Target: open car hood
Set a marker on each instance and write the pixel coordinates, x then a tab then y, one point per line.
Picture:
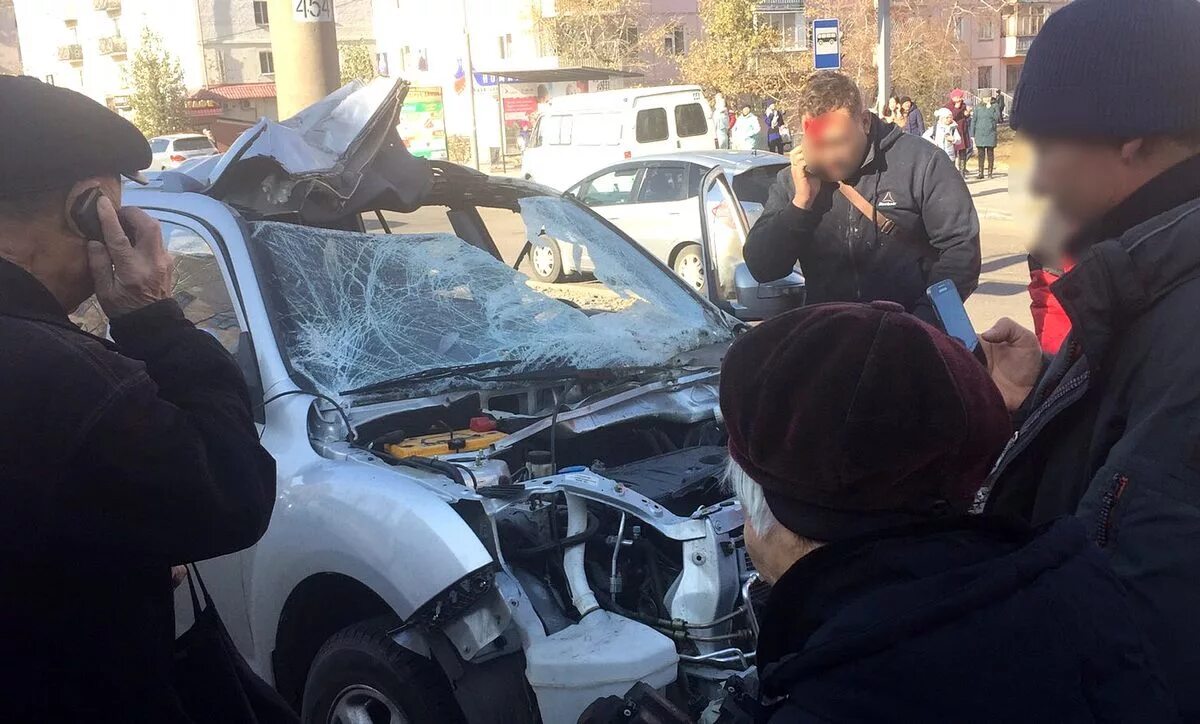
339	157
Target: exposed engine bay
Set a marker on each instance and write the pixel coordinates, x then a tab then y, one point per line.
619	554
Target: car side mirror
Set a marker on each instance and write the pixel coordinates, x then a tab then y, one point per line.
758	301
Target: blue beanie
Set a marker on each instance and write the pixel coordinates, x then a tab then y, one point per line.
1113	69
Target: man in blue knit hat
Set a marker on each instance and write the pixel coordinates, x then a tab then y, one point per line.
1110	98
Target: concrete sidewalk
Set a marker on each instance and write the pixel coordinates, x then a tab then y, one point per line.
1005	236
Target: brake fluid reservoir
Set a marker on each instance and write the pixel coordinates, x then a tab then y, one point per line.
488	472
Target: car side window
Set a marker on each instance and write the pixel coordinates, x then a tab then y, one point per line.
610	189
652	125
663	184
690	120
199	289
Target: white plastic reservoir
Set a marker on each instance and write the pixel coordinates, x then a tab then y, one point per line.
602	655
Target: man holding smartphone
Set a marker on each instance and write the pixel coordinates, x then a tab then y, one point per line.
118	460
868	211
1111	426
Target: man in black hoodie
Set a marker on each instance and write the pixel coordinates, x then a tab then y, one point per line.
889	602
868	211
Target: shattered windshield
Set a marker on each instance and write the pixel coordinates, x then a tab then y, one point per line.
359	309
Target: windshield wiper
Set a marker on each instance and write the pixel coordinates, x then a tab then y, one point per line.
567	372
433	373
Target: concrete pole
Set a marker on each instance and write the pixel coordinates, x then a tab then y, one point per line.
884	51
304	46
470	71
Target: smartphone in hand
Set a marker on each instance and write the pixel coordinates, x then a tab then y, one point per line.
87	217
948	305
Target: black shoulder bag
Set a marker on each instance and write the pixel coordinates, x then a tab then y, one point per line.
213	681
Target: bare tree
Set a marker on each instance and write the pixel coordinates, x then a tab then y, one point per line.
739	56
620	34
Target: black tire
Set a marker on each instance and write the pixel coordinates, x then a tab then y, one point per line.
363	655
549	259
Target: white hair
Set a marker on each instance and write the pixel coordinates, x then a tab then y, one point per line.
750	494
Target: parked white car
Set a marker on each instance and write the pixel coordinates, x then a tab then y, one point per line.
577	134
172	150
498	500
654	200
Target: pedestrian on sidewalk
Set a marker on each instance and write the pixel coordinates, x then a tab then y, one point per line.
1000	103
944	134
773	119
891	111
889	603
1111	424
985	122
721	121
869	212
747	131
913	122
962	118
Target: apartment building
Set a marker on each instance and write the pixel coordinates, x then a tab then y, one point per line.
999	40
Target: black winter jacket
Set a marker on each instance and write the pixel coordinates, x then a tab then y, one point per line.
844	255
116	462
966	620
1114	429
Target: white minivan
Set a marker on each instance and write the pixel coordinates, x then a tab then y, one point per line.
582	133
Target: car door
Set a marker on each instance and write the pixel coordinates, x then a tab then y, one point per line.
661	218
611	194
724	231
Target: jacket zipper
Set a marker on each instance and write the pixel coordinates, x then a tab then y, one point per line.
1104	522
1009	448
850	250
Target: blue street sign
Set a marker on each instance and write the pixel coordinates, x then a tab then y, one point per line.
827	46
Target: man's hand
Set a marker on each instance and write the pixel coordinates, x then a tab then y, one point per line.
807	185
1014	360
128	276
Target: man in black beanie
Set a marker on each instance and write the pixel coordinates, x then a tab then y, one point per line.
118	459
1110	97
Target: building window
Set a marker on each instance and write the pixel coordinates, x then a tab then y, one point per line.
674	43
987	29
266	62
505	46
260	13
1030	20
985	76
790	27
629	37
960	28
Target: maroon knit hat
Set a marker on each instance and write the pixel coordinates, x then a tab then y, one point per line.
857	417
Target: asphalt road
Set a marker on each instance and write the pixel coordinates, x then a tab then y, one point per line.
1006	230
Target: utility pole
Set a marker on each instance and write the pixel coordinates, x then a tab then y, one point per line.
304	51
883	60
470	70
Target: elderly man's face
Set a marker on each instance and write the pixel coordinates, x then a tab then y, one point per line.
775	551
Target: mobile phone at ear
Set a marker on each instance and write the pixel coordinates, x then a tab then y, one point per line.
86	216
948	305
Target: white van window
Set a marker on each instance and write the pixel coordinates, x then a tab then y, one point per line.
564	135
690	120
652	125
548	130
591	128
611	189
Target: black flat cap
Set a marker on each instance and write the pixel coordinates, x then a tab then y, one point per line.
52	137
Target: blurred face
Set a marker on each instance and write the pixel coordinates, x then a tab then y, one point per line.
835	143
906	106
1080	179
745	110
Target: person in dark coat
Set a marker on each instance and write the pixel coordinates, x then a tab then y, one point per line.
118	459
773	122
919	226
985	124
889	602
1111	424
914	122
962	116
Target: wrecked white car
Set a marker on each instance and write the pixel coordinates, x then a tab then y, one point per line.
498	500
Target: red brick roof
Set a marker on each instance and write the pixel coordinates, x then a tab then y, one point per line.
236	91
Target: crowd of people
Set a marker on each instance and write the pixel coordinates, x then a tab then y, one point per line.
947	539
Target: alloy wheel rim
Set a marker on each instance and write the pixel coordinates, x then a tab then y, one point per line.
362	704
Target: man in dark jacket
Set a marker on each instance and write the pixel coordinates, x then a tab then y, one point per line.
889	603
1111	427
118	459
869	211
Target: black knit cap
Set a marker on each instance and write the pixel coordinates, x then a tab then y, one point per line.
51	137
1113	69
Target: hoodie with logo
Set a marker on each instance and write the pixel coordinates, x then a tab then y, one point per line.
846	257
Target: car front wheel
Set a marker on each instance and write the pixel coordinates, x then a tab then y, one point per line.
545	260
689	265
362	676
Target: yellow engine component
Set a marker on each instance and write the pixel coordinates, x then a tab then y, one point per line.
428	446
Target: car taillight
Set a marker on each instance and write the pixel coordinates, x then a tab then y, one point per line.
178	158
628	155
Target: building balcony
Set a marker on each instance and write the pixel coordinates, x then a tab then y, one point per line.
113	45
112	7
1016	46
71	53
